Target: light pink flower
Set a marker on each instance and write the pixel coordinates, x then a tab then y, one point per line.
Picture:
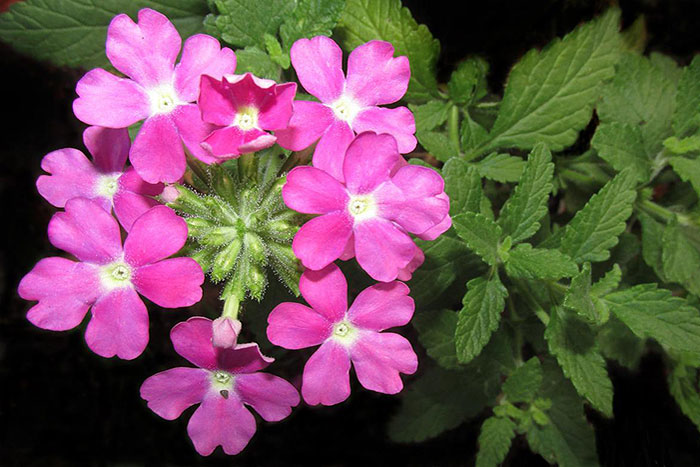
346	335
348	105
108	278
104	179
225	380
225	332
370	215
159	91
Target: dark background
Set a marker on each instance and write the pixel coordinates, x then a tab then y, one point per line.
61	404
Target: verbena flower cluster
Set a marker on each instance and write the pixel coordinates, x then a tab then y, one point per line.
366	199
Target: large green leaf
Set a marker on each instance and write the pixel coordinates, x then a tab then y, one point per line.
523	383
681	255
621	146
687	115
436	332
242	23
525	262
494	441
480	233
311	18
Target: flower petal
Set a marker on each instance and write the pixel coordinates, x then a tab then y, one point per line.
444	225
308	123
145	51
319	66
193	130
313	191
86	231
119	325
72	176
244	358
378	359
99	90
368	162
171	283
230	141
170	392
406	273
155	235
295	326
221	422
192	340
322	240
109	147
202	55
374	76
326	378
271	396
157	153
382	249
275	112
326	291
398	122
134	198
330	150
382	306
215	101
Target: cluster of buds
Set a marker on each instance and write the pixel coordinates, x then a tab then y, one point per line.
239	213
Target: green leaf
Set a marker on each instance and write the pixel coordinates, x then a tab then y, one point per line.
471	134
654	313
387	20
242	23
618	343
686	118
621	146
463	186
525	262
431	115
608	283
523	383
310	18
681	255
684	145
253	60
468	82
520	215
436	332
479	316
274	49
550	94
73	32
635	36
594	229
652	247
437	144
480	234
501	167
573	344
683	384
494	441
578	295
688	170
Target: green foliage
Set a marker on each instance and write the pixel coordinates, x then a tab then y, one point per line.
436	332
501	167
310	18
683	384
494	441
480	233
525	262
621	145
463	186
685	118
523	383
241	23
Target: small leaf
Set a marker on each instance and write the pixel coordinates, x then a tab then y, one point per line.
682	383
525	262
468	82
494	441
431	115
608	283
578	295
480	234
523	383
683	145
463	186
621	146
437	144
502	168
618	343
254	60
471	134
688	170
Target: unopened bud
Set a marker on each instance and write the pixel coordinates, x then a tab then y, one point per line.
225	332
225	260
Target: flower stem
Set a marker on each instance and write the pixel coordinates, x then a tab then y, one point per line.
662	213
453	125
231	307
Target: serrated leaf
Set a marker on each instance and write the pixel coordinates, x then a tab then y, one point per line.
525	262
480	234
274	50
578	295
431	115
681	255
618	343
468	82
549	95
471	134
310	18
502	168
523	383
436	332
652	247
685	118
521	213
242	23
688	170
635	37
387	20
654	313
683	385
683	145
479	316
594	229
494	441
608	283
256	61
573	344
73	32
438	144
621	146
463	186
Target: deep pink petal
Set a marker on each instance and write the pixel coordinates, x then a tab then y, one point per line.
378	359
221	422
397	122
434	232
326	375
157	153
368	162
131	182
256	140
193	131
244	358
86	231
119	325
349	251
192	340
134	198
382	306
326	291
319	66
231	141
406	273
72	176
201	55
99	90
249	90
322	240
145	51
170	392
64	289
271	396
171	283
309	122
155	235
109	147
374	76
382	249
215	101
330	150
276	111
295	326
313	191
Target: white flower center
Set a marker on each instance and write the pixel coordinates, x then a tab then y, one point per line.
115	275
222	382
107	185
344	333
222	377
345	108
163	99
246	118
362	207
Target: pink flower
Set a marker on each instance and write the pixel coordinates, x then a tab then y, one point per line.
369	215
225	380
159	91
235	111
104	180
348	105
108	278
346	335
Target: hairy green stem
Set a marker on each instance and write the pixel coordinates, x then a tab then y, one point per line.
231	307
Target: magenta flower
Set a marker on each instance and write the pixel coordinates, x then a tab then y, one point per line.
225	380
346	335
159	91
103	180
348	105
371	213
108	278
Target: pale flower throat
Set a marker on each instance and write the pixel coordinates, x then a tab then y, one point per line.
163	99
115	275
362	207
345	109
246	118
